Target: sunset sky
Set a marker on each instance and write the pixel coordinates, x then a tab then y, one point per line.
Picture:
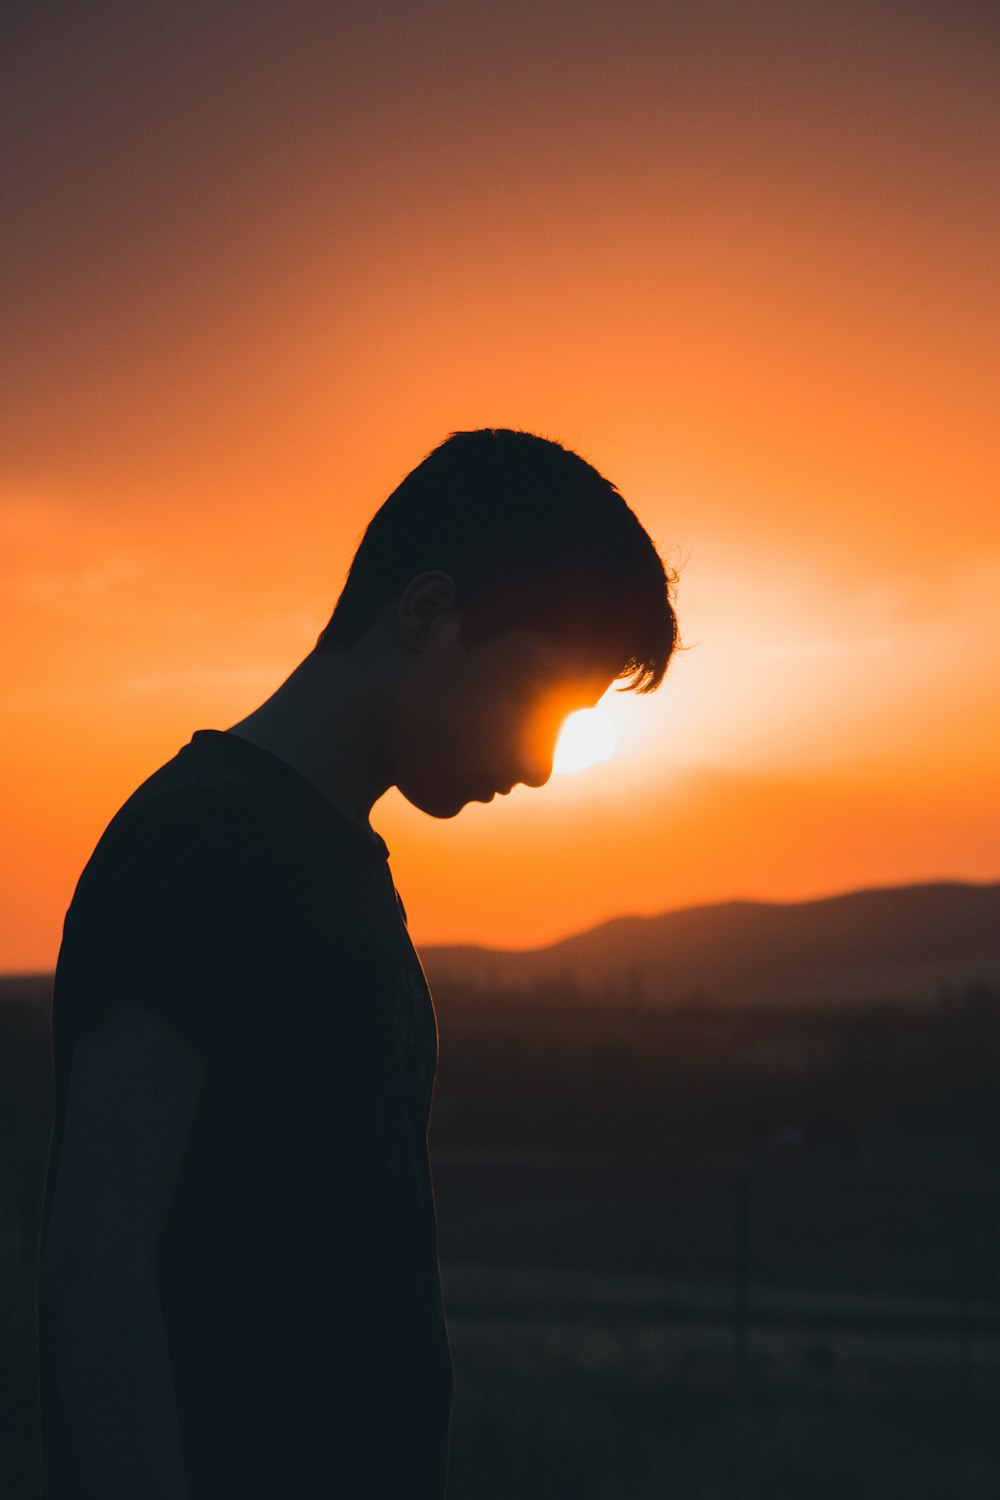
258	258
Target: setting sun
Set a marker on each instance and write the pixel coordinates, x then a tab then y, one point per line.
586	737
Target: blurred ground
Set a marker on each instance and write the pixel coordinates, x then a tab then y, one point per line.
708	1257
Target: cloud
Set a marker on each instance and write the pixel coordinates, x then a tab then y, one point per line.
63	560
74	592
145	685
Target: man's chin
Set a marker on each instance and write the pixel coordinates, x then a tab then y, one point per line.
437	807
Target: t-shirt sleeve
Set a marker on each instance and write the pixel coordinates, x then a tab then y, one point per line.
182	915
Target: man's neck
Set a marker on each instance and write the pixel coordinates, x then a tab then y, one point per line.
327	723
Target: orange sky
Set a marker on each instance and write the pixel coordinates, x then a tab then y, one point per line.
259	259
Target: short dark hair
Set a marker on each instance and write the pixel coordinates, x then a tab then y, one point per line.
533	537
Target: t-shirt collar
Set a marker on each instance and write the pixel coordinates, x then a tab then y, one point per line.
235	743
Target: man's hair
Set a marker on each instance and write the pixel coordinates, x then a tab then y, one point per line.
533	537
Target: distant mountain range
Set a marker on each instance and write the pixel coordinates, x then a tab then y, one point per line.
911	942
902	943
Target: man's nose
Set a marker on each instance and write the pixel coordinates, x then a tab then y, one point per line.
536	750
535	771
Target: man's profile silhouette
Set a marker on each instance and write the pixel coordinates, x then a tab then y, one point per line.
239	1284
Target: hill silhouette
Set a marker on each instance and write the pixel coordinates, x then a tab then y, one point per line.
910	943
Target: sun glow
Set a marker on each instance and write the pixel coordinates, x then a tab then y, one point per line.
586	737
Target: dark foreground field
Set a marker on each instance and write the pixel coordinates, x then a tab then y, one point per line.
696	1254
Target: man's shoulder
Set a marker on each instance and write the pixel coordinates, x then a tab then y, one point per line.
182	903
171	829
208	827
165	811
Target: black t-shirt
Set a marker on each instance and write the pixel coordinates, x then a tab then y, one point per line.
298	1271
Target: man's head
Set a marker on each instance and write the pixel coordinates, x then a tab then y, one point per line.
522	585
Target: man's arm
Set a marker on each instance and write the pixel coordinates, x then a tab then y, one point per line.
133	1093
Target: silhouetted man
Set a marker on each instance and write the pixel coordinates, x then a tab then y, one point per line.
240	1289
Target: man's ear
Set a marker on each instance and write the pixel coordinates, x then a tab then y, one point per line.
424	607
